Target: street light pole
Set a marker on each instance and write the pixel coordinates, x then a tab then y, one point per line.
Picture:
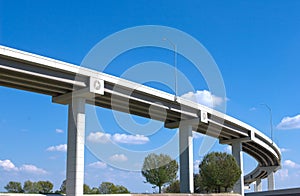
175	64
271	119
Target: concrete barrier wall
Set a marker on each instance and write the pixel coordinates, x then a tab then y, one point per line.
281	192
23	194
175	194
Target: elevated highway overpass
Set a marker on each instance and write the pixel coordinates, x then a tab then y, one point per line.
73	85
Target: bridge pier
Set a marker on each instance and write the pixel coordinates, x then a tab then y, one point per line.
238	155
75	149
186	159
258	185
271	181
22	70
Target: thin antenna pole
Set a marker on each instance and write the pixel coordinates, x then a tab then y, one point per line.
271	119
175	65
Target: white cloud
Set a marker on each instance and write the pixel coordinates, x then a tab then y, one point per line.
196	165
252	109
130	139
290	122
53	157
98	165
99	137
32	169
291	164
7	165
118	158
205	97
59	131
59	148
283	174
228	149
284	150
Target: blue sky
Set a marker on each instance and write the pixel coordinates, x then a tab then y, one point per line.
255	44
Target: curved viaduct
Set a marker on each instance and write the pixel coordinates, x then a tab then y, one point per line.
34	73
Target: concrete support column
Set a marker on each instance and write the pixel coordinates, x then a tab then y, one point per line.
258	185
75	150
238	155
186	159
271	181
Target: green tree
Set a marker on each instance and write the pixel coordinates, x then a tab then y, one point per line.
86	189
110	188
94	190
219	170
44	187
14	187
63	187
31	187
174	187
121	189
159	170
199	186
28	187
106	188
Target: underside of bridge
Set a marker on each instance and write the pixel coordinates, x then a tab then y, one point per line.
76	86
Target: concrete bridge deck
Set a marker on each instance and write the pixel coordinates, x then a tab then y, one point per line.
76	86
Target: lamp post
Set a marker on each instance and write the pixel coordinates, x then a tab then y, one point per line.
271	119
175	64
